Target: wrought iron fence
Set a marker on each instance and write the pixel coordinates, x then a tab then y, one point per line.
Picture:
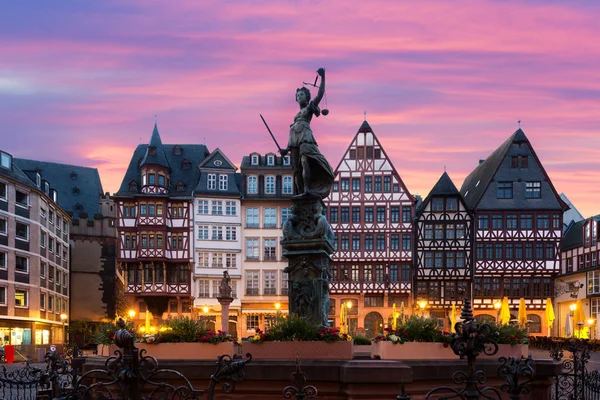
575	381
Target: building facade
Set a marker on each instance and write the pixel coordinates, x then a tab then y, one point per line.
371	212
266	192
217	237
518	230
443	250
155	227
34	258
579	279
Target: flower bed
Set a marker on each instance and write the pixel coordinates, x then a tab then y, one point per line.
188	351
387	350
304	350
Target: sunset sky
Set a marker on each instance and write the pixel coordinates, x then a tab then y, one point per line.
443	83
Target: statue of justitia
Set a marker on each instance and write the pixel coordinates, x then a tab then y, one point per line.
312	172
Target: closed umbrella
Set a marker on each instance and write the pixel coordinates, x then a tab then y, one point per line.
522	317
343	327
578	317
549	315
504	312
394	316
568	331
452	318
401	311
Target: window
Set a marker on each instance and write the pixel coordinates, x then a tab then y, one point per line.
254	159
378	184
270	185
524	161
22	264
230	208
428	231
203	260
203	288
217	233
252	322
451	204
42	301
51	217
369	242
286	160
483	222
437	204
526	221
252	217
202	232
285	214
252	183
270	250
406	242
151	179
222	182
405	272
336	186
356	184
270	282
333	215
22	231
345	215
543	221
380	214
505	190
230	260
368	214
511	222
533	190
356	215
395	242
345	184
252	283
5	160
161	180
368	184
373	301
395	214
217	207
252	246
270	160
217	260
43	269
4	229
22	199
212	182
406	214
387	184
344	242
270	217
3	260
287	185
497	221
21	298
230	233
284	283
450	231
380	242
593	279
438	232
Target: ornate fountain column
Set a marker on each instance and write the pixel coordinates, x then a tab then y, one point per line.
225	300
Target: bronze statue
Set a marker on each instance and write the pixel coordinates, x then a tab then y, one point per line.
225	286
312	172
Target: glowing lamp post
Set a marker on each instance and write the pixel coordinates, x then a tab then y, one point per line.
63	318
497	306
422	306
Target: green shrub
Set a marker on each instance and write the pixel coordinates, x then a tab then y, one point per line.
187	329
106	332
292	328
361	340
508	334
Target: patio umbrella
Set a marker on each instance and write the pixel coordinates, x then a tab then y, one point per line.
579	314
401	311
522	316
452	318
504	312
394	316
343	327
549	315
568	331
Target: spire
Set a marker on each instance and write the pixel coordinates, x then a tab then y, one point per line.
155	153
444	186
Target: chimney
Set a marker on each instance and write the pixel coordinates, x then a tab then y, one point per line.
481	161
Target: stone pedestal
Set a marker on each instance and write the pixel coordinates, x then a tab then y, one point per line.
225	302
308	244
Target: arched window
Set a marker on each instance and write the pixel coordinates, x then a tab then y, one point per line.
481	318
535	326
373	324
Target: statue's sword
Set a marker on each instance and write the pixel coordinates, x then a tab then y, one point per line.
275	140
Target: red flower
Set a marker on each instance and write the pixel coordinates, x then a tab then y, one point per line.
446	345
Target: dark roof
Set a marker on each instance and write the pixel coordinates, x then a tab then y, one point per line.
365	127
262	162
476	182
78	188
159	158
218	163
16	174
573	237
443	187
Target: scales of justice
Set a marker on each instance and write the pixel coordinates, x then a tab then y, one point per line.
307	236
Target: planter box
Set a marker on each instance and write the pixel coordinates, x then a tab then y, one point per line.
188	351
436	351
305	350
107	350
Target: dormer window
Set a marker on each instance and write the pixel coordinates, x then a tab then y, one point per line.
254	159
75	190
133	187
212	182
270	160
180	187
5	160
78	207
222	182
151	150
73	175
286	160
177	150
54	195
161	180
217	163
38	179
186	164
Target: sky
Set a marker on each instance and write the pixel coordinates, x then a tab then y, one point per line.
443	83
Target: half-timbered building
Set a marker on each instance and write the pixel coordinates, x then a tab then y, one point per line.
155	226
217	236
517	231
267	190
443	247
579	279
371	212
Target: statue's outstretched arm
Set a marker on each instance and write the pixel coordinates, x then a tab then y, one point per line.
319	96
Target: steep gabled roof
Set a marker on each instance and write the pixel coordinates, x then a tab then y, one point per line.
78	188
443	187
572	214
159	157
573	237
218	163
222	161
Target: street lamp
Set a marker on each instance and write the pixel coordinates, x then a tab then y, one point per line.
63	318
277	307
422	305
131	314
497	306
205	309
348	307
